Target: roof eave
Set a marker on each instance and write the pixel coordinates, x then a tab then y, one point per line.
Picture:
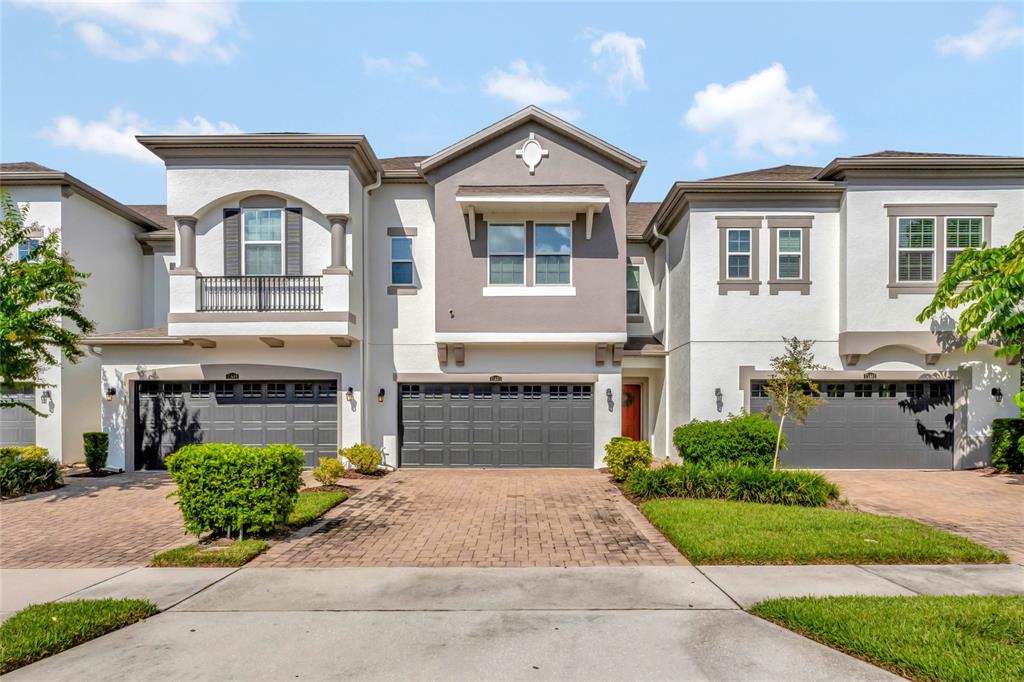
837	167
23	178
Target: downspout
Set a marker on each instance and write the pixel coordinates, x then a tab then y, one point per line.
364	421
667	375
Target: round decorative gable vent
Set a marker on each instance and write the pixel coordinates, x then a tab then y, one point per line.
531	153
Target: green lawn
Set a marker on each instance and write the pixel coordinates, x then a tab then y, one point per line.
312	505
923	638
43	630
237	553
718	532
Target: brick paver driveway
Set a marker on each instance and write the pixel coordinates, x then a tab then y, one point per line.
986	507
554	517
120	520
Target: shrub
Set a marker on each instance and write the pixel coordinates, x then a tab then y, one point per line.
329	470
747	439
96	444
24	451
363	457
624	455
21	475
724	481
1008	445
224	487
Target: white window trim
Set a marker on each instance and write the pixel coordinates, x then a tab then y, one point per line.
749	253
246	242
639	297
505	253
536	253
945	237
392	260
933	250
779	254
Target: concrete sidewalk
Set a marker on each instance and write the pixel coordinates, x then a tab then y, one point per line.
465	623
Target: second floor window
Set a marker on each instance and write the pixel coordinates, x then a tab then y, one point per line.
401	260
552	248
961	233
738	244
915	259
27	248
263	241
506	253
632	289
789	254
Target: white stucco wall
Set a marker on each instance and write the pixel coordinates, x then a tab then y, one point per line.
866	304
192	190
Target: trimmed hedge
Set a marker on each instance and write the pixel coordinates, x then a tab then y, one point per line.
96	445
224	487
747	439
1008	445
25	451
363	457
734	482
21	474
624	455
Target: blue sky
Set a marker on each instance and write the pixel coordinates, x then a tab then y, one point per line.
697	90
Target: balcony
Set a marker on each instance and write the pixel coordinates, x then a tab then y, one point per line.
258	294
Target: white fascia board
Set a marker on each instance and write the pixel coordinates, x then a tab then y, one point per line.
531	337
532	199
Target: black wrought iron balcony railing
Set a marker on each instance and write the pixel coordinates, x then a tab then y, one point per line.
263	293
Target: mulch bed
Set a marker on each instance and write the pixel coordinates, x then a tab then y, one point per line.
330	488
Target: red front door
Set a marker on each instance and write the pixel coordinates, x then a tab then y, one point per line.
631	411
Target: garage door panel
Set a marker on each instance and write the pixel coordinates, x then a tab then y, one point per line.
880	431
17	424
509	425
275	413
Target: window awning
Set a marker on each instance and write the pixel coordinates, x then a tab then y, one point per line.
529	202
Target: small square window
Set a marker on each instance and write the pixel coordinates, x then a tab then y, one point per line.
433	392
327	390
224	391
559	392
459	393
758	390
508	392
532	392
862	390
483	392
410	390
201	390
835	390
582	392
303	391
887	390
915	390
252	391
27	249
276	391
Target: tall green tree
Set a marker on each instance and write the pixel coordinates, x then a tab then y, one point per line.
791	392
40	306
985	286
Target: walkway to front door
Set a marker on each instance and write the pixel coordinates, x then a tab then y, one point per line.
488	517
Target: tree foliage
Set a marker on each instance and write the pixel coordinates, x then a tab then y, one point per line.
791	392
39	297
986	287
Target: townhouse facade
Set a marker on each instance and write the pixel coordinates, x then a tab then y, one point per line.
503	302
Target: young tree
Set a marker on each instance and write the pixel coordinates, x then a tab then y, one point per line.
39	295
790	390
986	285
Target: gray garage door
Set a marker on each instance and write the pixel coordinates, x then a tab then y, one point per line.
873	425
497	425
169	415
18	425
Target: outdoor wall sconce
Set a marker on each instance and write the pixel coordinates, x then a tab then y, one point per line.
45	395
719	403
349	395
997	393
718	393
110	393
611	403
608	393
380	396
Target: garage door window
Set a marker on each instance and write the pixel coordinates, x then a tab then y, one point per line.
531	392
508	392
582	392
862	390
887	390
411	391
915	390
482	393
835	391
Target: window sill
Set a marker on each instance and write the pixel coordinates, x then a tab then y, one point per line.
542	290
897	289
750	286
402	290
777	285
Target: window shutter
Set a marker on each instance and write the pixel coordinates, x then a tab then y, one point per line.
293	242
232	242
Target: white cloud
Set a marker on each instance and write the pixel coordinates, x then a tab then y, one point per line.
411	68
617	55
116	134
524	84
998	29
132	30
763	113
